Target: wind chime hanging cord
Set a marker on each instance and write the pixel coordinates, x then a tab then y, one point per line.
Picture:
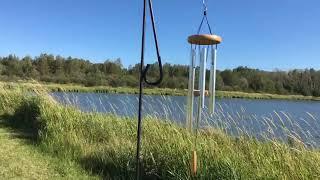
143	78
204	18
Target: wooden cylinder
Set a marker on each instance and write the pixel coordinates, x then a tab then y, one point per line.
204	39
194	163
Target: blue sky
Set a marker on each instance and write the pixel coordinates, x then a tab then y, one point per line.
267	34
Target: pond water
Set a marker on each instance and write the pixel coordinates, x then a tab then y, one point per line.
279	119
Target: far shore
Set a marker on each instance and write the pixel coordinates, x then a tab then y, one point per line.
51	87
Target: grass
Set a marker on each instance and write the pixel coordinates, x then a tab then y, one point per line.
21	160
149	91
105	145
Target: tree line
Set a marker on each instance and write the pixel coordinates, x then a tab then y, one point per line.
64	70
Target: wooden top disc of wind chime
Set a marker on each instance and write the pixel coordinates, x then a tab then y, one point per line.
204	39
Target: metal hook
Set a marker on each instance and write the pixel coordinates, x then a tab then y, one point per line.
144	74
160	74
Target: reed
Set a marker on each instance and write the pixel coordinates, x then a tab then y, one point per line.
104	144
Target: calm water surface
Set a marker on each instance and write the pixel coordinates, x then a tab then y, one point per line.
279	119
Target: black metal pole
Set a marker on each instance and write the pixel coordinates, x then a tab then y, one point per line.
143	80
139	131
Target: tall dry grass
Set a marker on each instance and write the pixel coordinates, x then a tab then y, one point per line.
105	144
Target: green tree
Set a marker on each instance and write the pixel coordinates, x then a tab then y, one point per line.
256	82
27	68
243	83
2	68
43	65
58	69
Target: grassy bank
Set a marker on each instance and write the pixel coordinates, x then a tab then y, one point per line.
105	145
148	91
19	159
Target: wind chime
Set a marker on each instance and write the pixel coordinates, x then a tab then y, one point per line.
203	49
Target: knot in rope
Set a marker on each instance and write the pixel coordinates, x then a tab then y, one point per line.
205	7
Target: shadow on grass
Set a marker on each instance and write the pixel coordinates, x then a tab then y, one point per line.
25	123
109	169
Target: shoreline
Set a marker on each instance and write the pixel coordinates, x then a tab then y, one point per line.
31	86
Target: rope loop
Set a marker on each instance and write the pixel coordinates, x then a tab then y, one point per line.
204	18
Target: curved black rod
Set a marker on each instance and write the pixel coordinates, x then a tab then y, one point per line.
157	50
143	79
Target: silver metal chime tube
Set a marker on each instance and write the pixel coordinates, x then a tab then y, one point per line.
190	100
212	84
202	83
202	76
